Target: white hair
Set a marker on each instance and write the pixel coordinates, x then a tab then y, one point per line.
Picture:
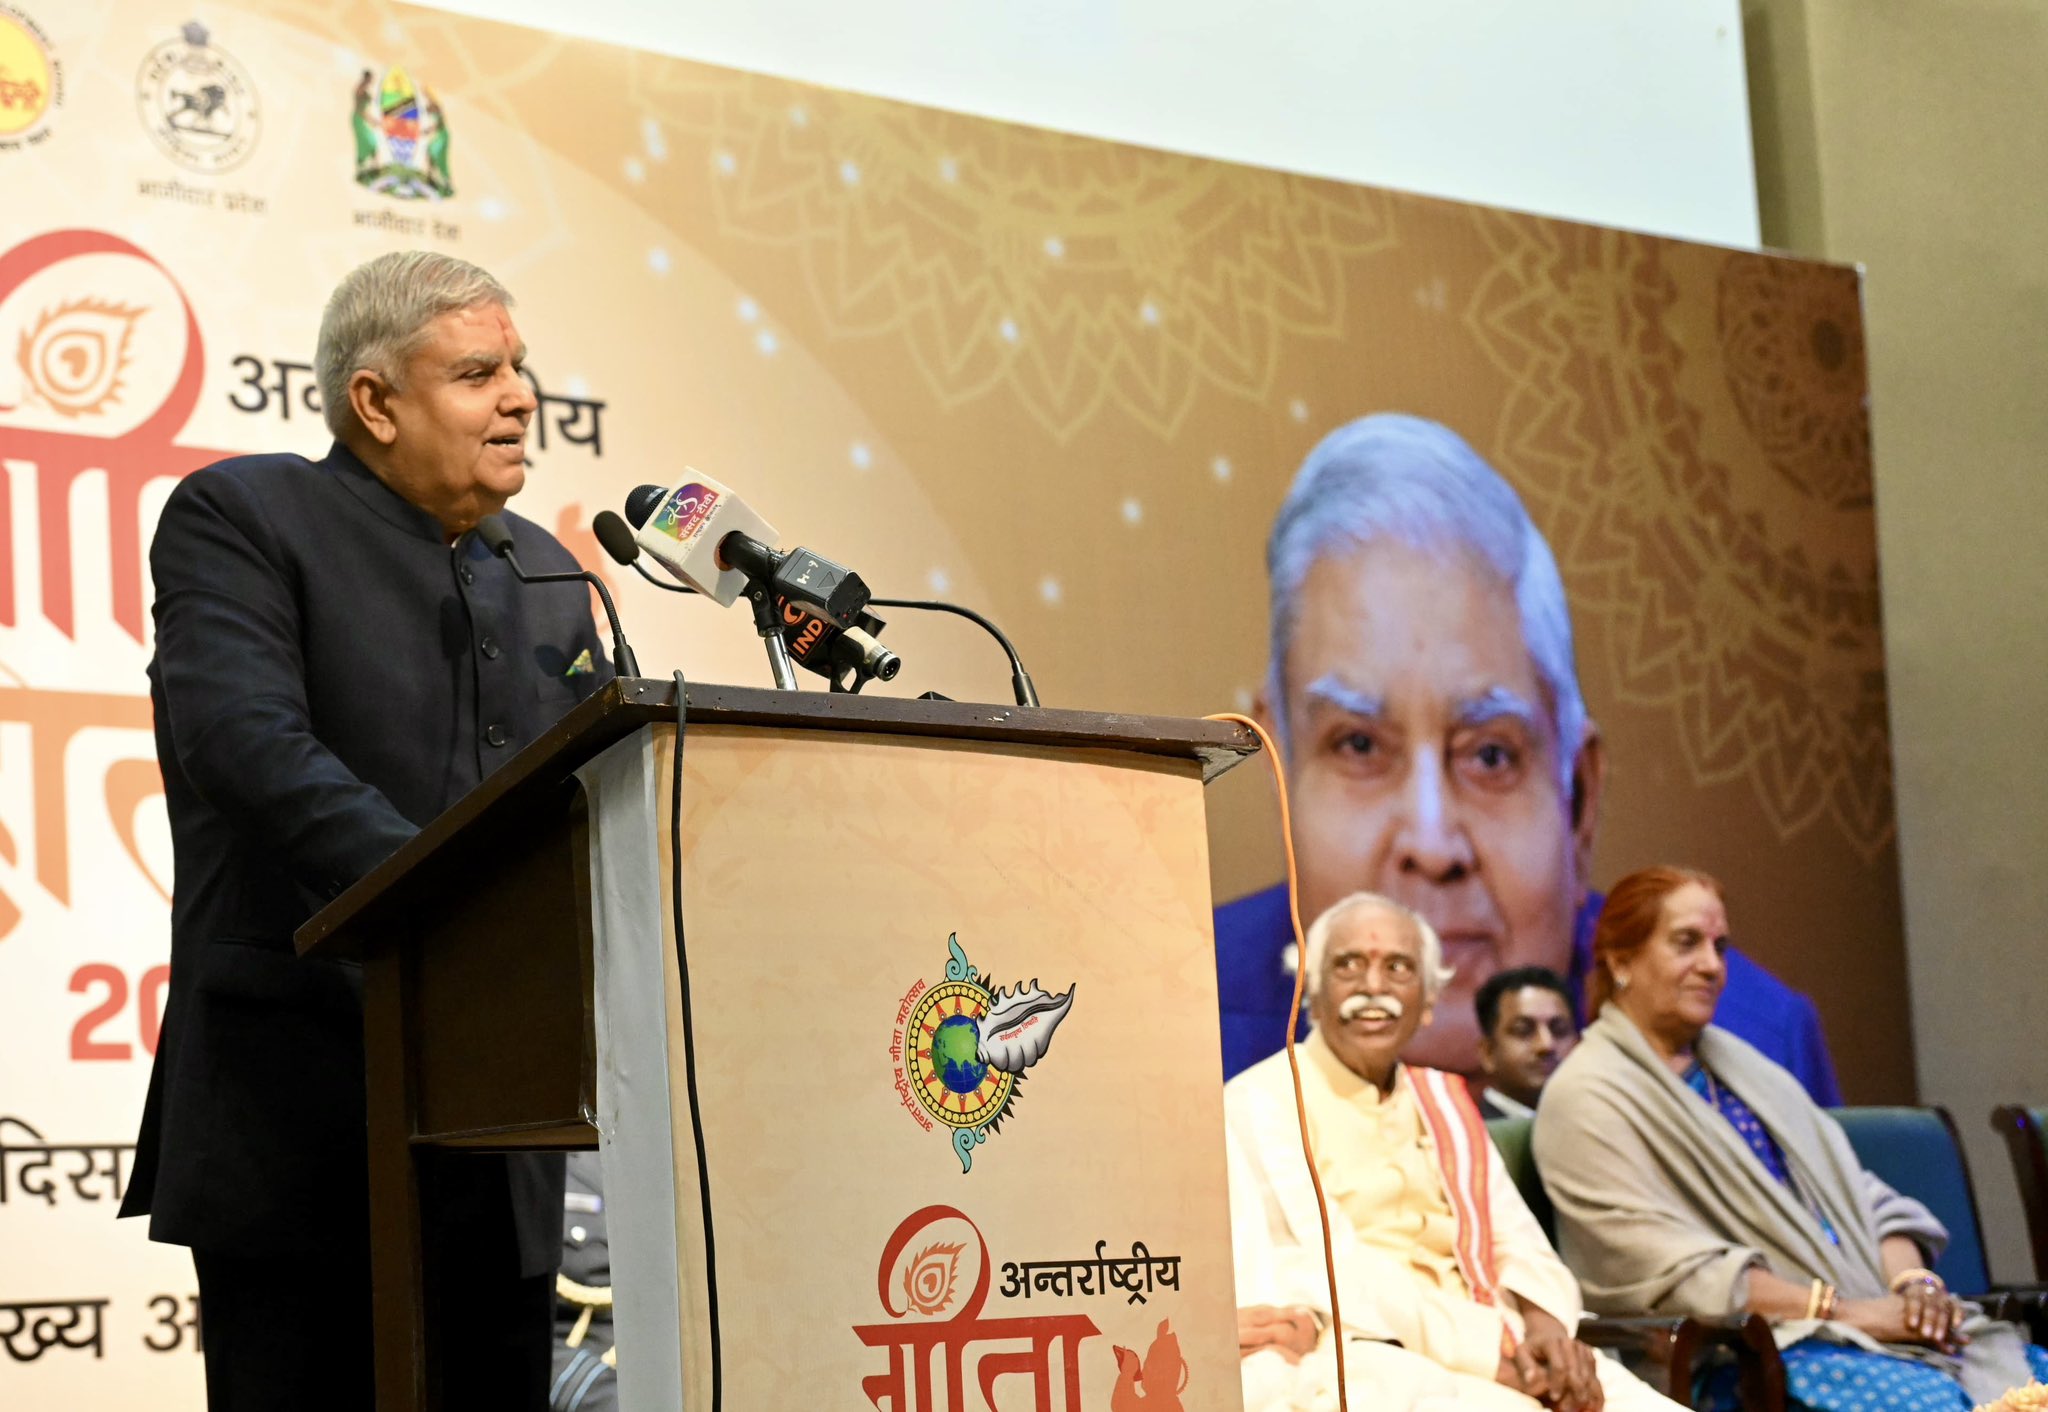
1435	975
377	318
1416	481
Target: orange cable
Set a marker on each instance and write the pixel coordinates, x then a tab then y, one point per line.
1308	1149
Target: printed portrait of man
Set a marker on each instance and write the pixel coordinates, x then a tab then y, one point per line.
1422	687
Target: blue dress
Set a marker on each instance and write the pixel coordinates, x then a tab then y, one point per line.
1827	1377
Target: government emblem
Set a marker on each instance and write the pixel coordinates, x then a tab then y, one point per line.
401	139
197	102
961	1048
31	80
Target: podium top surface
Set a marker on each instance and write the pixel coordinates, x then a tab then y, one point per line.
623	706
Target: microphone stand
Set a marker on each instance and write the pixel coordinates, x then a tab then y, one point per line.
1021	685
768	623
492	531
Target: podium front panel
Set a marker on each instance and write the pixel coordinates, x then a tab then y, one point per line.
957	1134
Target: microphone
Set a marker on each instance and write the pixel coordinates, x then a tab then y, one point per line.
834	653
617	538
1021	686
497	538
684	528
712	541
839	654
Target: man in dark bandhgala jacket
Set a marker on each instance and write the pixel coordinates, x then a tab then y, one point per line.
338	660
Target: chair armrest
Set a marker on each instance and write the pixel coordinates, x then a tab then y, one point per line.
1675	1344
2025	1305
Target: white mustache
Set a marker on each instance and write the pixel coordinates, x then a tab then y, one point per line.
1357	1005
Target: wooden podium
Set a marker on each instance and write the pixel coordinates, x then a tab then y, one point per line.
918	982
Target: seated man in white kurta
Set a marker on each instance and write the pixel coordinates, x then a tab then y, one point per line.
1450	1295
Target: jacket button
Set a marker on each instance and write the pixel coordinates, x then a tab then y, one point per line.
489	646
495	735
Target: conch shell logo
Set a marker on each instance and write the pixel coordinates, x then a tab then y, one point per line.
929	1278
73	356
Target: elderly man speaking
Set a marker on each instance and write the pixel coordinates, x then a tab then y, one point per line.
338	660
1451	1297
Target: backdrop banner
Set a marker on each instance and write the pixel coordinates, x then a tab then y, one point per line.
1065	381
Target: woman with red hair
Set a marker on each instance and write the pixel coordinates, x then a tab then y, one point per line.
1692	1175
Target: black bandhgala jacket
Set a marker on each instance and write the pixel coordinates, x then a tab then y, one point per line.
329	676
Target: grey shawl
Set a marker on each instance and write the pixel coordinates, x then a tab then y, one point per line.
1662	1208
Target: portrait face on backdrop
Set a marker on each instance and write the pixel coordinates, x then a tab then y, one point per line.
449	433
1423	764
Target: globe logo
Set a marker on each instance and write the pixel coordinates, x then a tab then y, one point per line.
955	1054
961	1048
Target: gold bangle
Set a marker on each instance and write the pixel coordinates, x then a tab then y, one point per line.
1813	1294
1919	1274
1830	1300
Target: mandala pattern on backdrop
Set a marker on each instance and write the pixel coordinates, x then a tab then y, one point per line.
1755	624
1791	341
1077	273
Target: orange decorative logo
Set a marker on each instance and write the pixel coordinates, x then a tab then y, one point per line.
72	357
929	1278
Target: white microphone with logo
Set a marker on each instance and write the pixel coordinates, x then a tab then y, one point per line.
681	529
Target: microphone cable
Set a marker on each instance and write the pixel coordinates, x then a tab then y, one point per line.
675	846
1308	1147
1021	685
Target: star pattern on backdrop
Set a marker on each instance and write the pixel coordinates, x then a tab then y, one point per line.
1079	275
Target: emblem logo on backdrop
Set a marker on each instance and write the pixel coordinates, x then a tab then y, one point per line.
104	365
31	80
401	138
72	356
961	1049
198	102
934	1280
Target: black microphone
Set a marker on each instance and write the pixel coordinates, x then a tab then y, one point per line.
752	557
640	503
498	539
839	654
617	539
1021	686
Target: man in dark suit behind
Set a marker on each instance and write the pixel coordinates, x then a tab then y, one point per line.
338	660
